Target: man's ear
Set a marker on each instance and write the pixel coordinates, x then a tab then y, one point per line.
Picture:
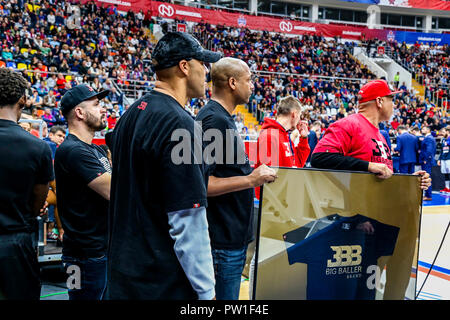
379	102
184	67
232	83
22	101
78	112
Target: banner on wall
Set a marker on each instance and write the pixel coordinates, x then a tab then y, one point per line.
123	5
173	11
428	38
334	235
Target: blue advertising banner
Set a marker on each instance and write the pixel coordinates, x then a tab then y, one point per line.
428	38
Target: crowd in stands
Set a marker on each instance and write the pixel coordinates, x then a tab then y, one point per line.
42	39
429	65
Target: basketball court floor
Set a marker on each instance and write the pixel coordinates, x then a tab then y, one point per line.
435	218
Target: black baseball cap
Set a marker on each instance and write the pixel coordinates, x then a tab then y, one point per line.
176	46
77	95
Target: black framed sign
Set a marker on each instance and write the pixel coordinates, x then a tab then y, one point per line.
336	235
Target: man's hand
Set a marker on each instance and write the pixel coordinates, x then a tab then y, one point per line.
60	234
44	209
381	170
294	134
262	174
302	127
425	179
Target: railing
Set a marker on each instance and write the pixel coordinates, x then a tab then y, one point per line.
432	90
38	121
134	89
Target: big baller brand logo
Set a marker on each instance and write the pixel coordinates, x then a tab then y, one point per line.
166	10
346	260
381	153
286	26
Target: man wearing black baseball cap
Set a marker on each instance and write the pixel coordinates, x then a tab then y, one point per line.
83	176
159	246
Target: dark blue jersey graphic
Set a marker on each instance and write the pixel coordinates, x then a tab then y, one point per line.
338	251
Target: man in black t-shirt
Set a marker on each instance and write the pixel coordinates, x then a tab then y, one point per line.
83	179
159	246
231	180
25	172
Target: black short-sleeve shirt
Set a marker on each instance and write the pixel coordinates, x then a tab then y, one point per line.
230	215
149	181
83	211
24	162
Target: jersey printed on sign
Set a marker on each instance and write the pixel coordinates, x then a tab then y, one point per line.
341	256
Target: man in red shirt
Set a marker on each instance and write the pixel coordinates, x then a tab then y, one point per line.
355	143
112	120
276	143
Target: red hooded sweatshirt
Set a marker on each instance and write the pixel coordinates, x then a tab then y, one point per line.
274	140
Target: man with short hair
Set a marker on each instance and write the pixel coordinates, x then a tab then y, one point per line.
276	140
25	172
407	146
313	139
426	157
83	177
56	136
231	178
444	158
159	246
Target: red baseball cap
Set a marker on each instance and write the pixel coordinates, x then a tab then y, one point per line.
374	89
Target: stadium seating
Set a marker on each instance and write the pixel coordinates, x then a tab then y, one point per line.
320	70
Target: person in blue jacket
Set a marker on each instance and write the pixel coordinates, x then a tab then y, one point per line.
385	132
407	146
444	158
313	139
426	156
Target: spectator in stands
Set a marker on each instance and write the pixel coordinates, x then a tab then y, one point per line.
49	117
49	100
25	125
55	137
426	157
444	158
313	138
112	120
407	147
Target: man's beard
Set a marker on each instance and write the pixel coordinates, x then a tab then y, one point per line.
94	123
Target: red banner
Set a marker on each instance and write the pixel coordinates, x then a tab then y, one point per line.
172	11
124	5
